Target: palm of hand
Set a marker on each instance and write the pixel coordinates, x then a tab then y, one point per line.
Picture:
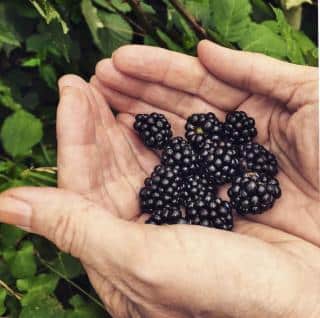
113	163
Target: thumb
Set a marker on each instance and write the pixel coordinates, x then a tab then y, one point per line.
74	224
256	73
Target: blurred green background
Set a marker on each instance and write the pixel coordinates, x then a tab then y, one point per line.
42	39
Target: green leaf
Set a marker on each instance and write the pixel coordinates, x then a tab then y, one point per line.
82	309
49	13
20	132
68	266
31	62
200	9
49	75
118	4
22	263
294	52
3	296
231	18
45	307
261	39
109	30
10	235
116	32
37	287
90	14
7	36
169	42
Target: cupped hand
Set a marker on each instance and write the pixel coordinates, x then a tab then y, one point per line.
282	97
146	271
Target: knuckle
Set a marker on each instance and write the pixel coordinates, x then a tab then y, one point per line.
69	232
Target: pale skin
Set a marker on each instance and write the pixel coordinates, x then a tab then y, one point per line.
268	267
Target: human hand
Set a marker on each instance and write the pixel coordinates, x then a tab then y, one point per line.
282	97
145	271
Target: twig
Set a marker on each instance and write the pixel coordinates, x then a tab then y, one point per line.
10	290
197	28
134	4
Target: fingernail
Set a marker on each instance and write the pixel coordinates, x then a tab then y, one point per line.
16	212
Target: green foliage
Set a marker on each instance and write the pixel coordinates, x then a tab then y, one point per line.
42	39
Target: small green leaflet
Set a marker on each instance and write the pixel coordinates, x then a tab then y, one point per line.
259	38
22	263
20	132
231	18
49	13
6	97
3	295
83	310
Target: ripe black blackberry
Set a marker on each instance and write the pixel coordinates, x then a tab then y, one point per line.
211	212
254	157
179	154
220	161
162	189
254	193
196	187
239	127
200	127
167	215
154	130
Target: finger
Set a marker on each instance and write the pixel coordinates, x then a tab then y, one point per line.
169	99
75	225
260	74
76	138
175	70
133	106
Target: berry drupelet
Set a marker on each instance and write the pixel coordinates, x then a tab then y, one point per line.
196	187
254	157
201	127
154	130
210	211
167	215
254	193
220	160
179	155
162	189
239	128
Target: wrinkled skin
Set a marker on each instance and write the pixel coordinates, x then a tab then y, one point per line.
269	266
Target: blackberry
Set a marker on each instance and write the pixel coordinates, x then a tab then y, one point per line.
154	130
167	215
239	127
254	193
255	157
211	212
220	161
162	189
179	155
200	127
196	187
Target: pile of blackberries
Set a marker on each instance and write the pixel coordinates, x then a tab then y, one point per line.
182	189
